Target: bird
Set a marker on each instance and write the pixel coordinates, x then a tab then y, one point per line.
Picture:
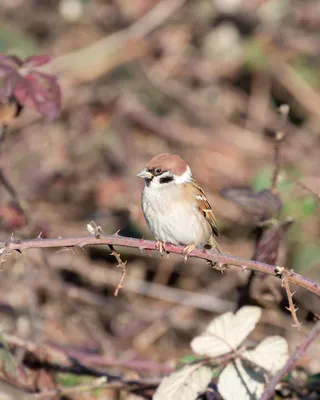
175	207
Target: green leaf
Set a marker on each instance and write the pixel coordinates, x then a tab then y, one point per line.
301	208
188	359
70	380
7	360
309	206
262	179
254	58
14	41
307	71
306	256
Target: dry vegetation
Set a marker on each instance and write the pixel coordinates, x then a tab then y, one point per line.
203	79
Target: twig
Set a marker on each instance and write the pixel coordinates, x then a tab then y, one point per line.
290	294
87	358
279	136
97	231
311	191
109	52
141	244
270	389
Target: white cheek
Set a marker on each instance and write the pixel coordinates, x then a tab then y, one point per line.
185	177
155	183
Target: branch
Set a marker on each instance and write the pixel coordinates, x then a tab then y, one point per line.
292	308
270	389
125	45
116	240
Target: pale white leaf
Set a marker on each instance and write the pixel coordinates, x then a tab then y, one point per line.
185	384
271	354
226	332
241	382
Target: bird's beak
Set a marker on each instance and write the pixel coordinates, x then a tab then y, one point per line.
144	174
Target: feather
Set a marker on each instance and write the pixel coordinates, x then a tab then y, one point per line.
203	204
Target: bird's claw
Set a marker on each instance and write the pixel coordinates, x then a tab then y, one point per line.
160	247
187	250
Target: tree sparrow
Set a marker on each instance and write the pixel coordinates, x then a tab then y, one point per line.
175	207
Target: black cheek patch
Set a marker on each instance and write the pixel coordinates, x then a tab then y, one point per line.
166	179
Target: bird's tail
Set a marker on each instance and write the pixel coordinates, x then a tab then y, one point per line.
214	245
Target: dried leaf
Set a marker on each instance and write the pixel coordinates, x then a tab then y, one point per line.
269	202
271	354
267	246
264	204
239	381
185	384
225	333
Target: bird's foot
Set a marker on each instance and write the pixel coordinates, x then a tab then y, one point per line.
187	250
160	247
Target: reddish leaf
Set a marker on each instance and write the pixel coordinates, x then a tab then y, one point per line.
7	86
12	217
40	91
36	61
30	88
9	64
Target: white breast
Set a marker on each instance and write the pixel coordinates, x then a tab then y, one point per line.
171	219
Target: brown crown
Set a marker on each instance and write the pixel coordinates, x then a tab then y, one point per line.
168	162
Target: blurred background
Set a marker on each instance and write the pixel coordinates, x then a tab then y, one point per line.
203	79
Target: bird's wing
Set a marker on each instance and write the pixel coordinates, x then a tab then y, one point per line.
201	200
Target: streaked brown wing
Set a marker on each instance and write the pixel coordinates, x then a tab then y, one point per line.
204	205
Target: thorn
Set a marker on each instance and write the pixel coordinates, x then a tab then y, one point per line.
122	264
39	236
117	233
149	252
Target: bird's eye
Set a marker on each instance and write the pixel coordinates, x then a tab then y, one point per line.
157	171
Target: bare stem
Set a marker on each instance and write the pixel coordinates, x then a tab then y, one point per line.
292	308
116	240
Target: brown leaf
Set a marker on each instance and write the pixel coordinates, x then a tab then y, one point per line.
264	204
267	245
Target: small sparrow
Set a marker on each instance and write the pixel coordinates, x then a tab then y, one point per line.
175	207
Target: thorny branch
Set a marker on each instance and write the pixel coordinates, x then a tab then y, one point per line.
97	231
290	294
270	389
117	240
